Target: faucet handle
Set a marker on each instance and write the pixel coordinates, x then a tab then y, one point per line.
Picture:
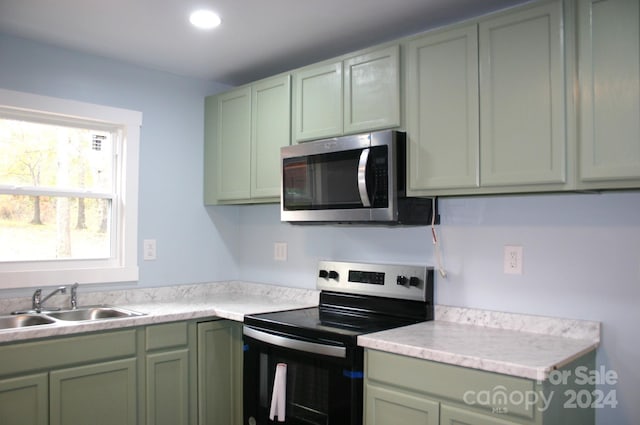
74	296
35	299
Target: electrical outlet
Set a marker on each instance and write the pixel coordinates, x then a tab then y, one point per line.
149	249
280	251
513	259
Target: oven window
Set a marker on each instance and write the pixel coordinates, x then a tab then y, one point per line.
307	390
319	390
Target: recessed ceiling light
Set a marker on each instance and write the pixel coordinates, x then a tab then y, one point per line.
204	19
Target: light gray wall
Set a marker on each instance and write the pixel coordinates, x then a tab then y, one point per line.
581	252
193	244
581	261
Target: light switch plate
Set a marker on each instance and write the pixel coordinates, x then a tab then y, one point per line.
149	249
280	251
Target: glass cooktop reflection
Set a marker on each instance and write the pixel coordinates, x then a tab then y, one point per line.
325	320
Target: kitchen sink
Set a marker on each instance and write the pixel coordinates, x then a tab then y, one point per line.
92	313
29	318
24	320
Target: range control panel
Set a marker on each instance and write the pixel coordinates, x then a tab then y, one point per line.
409	282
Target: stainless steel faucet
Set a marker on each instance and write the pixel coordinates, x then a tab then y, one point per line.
38	301
74	296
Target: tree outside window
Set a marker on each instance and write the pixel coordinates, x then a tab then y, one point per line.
45	160
68	191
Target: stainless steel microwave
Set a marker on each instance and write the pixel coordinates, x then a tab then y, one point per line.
351	179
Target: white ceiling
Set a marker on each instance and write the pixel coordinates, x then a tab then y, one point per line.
257	38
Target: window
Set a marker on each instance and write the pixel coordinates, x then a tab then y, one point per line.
68	191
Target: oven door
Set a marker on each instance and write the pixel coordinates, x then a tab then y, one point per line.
323	380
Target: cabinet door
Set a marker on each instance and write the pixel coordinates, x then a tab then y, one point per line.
442	110
318	102
168	388
220	359
24	400
456	416
609	73
386	406
210	184
271	129
97	394
372	91
522	124
234	144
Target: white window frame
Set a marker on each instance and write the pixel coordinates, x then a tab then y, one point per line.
123	265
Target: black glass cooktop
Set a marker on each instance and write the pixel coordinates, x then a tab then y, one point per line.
342	317
322	319
318	323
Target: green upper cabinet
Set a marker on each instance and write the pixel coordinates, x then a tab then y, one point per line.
372	90
354	94
542	97
318	101
234	145
486	105
442	110
244	131
271	115
522	97
609	110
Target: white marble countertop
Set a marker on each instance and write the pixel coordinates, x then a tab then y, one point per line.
229	300
511	344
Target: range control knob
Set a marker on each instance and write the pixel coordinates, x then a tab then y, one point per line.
323	274
333	275
408	281
414	281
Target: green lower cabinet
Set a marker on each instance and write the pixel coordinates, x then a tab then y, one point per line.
25	400
220	373
82	379
455	416
406	390
99	394
169	347
386	406
168	388
176	373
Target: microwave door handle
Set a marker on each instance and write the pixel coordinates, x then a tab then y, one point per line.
362	178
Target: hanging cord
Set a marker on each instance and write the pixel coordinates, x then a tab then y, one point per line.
436	243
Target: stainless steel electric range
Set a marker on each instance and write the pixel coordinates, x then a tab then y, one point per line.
304	366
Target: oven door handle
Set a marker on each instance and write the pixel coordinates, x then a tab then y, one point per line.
296	344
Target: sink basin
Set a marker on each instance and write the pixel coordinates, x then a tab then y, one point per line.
23	320
92	313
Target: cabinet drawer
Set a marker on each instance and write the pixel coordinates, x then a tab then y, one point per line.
49	354
166	335
445	381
